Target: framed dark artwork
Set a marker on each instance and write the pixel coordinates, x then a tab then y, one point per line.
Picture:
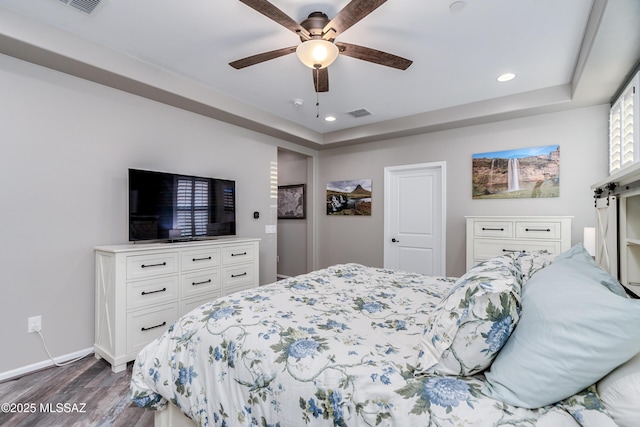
515	174
292	202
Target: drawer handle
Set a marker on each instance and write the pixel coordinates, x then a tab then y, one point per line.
239	275
143	329
154	265
200	283
154	292
514	250
538	229
239	254
492	229
201	259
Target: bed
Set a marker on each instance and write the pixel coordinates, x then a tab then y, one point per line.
352	345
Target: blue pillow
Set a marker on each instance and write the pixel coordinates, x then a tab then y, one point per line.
579	253
572	332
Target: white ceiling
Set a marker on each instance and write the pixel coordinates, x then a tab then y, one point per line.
555	47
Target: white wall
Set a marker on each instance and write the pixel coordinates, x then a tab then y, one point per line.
581	134
64	152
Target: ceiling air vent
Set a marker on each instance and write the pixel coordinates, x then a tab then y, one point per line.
86	6
360	112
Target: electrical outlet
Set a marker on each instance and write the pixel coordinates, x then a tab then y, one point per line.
34	324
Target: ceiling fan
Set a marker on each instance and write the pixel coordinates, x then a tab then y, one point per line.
317	33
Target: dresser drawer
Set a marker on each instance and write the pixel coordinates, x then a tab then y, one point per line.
142	266
493	229
143	326
152	291
201	258
237	254
485	249
199	282
538	230
237	275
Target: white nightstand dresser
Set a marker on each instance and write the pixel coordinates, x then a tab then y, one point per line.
490	236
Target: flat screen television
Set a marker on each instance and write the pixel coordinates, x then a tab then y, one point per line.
167	206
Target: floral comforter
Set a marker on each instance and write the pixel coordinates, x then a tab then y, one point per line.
336	347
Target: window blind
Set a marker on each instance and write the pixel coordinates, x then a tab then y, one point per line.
615	130
627	123
624	136
192	207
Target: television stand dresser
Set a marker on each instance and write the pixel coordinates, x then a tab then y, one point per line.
141	289
490	236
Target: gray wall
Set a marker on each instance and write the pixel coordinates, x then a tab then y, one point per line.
292	233
581	134
66	146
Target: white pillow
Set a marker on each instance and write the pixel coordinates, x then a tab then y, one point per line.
556	419
620	392
465	331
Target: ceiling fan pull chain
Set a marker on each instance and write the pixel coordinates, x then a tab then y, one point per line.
317	93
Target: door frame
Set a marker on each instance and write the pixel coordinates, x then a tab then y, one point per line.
441	166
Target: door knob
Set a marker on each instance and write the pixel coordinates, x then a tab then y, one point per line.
395	241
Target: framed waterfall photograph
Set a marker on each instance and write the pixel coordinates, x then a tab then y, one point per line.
516	174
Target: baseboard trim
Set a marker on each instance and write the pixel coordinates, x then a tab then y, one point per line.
29	369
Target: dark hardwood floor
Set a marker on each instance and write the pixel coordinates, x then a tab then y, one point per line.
89	394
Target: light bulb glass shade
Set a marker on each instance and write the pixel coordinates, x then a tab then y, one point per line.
317	53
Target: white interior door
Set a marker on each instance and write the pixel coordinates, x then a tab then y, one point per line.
414	218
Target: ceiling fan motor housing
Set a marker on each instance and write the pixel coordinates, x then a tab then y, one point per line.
315	23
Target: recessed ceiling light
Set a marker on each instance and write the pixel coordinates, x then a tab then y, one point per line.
506	77
330	119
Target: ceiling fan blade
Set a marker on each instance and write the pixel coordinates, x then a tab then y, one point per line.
321	80
349	15
373	55
275	14
262	57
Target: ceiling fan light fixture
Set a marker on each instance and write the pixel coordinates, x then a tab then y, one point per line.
317	53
